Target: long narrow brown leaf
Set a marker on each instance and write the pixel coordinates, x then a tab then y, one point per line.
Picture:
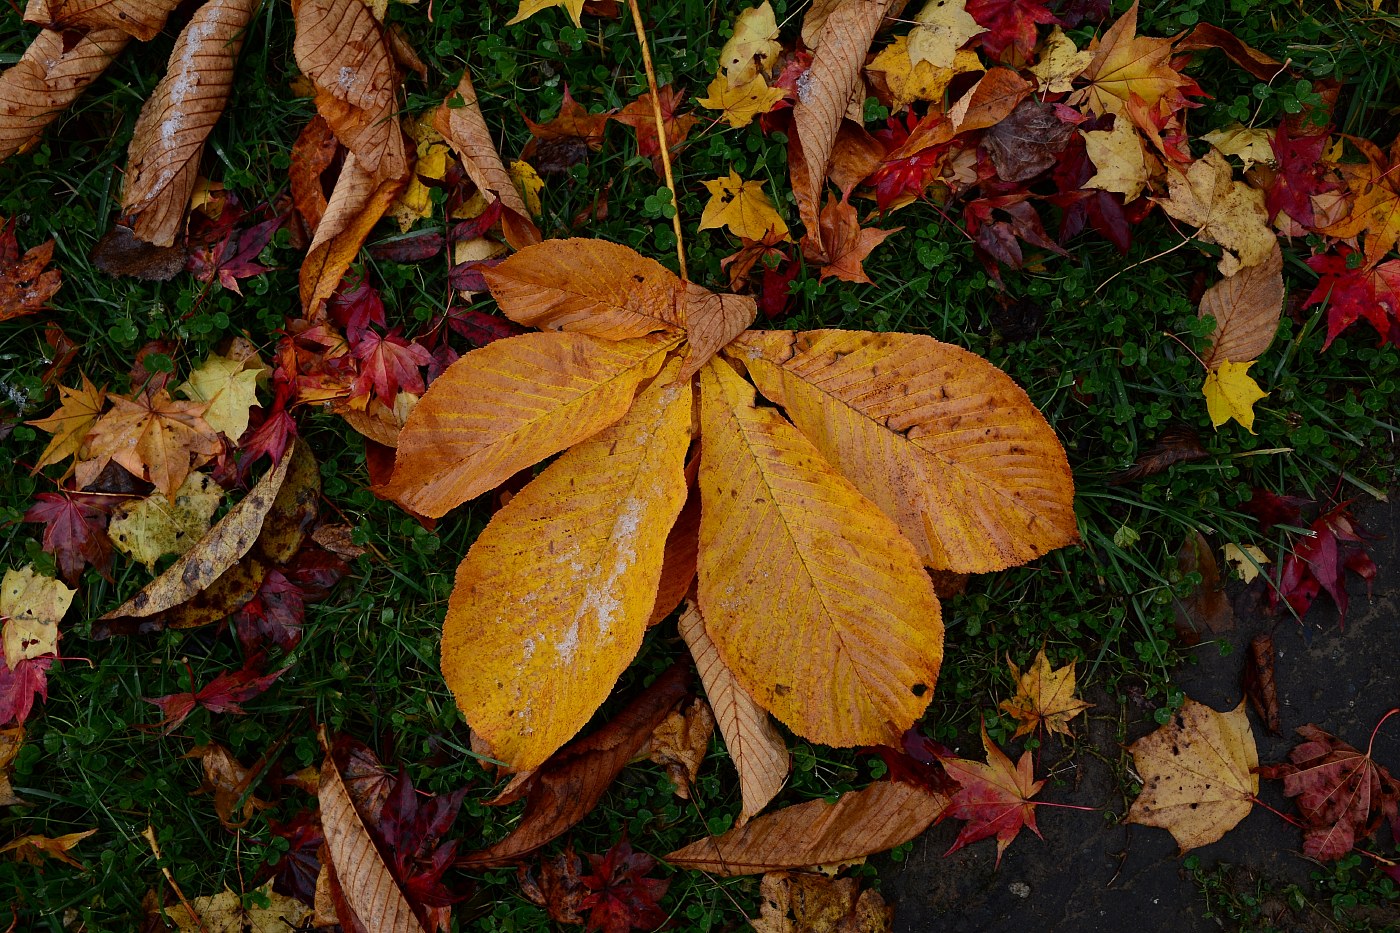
464	128
569	785
754	743
360	198
42	84
163	158
139	19
862	822
366	882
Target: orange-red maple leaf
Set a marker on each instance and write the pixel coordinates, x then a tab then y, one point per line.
846	243
1376	211
156	438
565	140
638	115
994	797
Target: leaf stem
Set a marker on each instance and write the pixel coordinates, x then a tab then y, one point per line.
1371	744
660	133
150	836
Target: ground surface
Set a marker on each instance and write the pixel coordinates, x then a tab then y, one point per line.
1090	874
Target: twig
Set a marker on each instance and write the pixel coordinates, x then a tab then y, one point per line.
660	133
150	836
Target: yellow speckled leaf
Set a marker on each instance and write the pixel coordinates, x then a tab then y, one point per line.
509	405
808	590
944	442
552	600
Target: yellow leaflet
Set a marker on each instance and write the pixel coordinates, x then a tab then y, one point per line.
742	207
1231	393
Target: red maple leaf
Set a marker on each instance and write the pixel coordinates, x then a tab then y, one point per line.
269	432
224	694
1010	24
228	255
20	686
620	897
75	531
1354	291
1343	795
908	173
354	306
559	889
775	288
276	611
1272	509
1320	562
1083	207
1298	176
918	761
999	224
389	363
411	827
299	865
994	798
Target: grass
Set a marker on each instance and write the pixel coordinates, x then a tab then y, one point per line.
1100	366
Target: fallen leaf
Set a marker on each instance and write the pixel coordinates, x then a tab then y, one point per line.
563	790
431	154
1250	144
1300	175
1231	393
559	890
1246	307
529	184
19	686
1320	561
77	412
529	8
225	913
1343	795
1245	561
1060	63
1126	65
155	438
740	206
139	19
1354	291
148	529
908	81
993	798
995	95
25	286
638	115
359	199
1259	682
859	823
229	387
230	783
1121	161
680	743
11	740
1027	142
754	744
168	139
1205	610
1044	697
1177	444
753	48
941	27
566	140
34	849
619	896
120	253
1197	774
1227	212
1375	208
224	694
802	903
1208	36
312	153
50	75
845	243
31	607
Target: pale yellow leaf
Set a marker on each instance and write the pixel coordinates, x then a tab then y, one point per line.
230	387
808	590
509	405
1060	63
943	27
945	443
1245	560
1119	156
32	604
742	207
753	48
148	529
529	8
551	602
1231	393
1196	774
1249	144
754	743
1227	212
529	183
740	106
224	913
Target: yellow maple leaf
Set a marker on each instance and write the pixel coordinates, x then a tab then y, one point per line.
742	207
529	8
740	106
1120	159
1245	560
753	49
1044	697
1249	144
1226	212
1060	63
944	26
32	605
229	387
909	81
529	183
77	413
1231	393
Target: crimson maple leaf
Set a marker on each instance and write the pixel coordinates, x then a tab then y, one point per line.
75	531
999	224
905	175
269	432
1343	795
275	612
222	252
1010	24
388	364
411	827
224	694
1300	174
620	897
1272	509
994	798
1354	291
355	305
1320	562
918	761
20	686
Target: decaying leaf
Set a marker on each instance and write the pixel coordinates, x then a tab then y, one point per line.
679	744
1231	393
148	529
845	243
755	746
34	849
1246	307
739	106
860	823
1044	697
742	207
1205	611
1249	144
359	200
50	75
1060	63
1177	444
1197	774
10	741
1258	681
230	782
1245	561
753	48
1119	156
807	903
139	19
225	913
941	28
1227	212
166	145
26	285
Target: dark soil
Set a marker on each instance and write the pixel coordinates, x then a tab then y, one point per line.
1090	873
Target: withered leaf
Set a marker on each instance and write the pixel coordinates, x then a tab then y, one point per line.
1179	443
1246	307
1027	142
814	903
1259	682
120	252
25	284
139	19
1206	611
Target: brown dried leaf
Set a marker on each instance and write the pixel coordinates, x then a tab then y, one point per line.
33	849
802	903
711	322
139	19
569	785
1177	444
311	155
163	158
466	132
862	822
1206	611
1206	36
1246	307
345	53
359	199
995	95
845	243
1027	142
229	781
679	744
1258	680
680	558
119	253
754	743
369	887
25	286
10	741
47	79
